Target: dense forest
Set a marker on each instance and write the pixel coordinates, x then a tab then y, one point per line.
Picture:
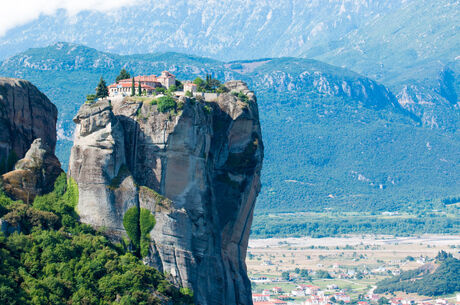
55	259
326	224
445	279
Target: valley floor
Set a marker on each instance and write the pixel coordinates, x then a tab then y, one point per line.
341	267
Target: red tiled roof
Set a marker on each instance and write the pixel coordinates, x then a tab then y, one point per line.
142	78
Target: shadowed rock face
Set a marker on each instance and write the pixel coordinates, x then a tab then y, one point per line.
25	115
33	175
197	172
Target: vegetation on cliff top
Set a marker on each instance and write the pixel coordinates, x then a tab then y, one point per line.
57	260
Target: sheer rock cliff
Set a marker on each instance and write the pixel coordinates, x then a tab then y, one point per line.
27	132
25	115
195	170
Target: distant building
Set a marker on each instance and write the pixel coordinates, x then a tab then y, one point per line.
340	296
267	292
260	298
148	84
191	87
298	292
309	289
316	300
167	79
277	290
125	89
373	297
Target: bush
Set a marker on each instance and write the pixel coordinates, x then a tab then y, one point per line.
189	94
160	90
91	97
243	97
165	103
222	89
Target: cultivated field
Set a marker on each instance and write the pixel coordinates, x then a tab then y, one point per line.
355	263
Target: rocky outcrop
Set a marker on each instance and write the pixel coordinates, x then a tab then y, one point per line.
33	175
196	169
25	115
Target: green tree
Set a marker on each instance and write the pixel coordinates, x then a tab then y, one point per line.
123	75
383	301
91	97
211	83
443	255
199	82
131	225
323	274
139	89
146	223
102	90
304	273
285	276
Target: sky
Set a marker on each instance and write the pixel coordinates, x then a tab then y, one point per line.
18	12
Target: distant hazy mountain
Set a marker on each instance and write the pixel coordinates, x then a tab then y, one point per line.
414	42
227	29
333	138
410	46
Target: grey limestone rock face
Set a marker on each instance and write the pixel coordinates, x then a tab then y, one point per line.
33	175
196	169
97	158
25	115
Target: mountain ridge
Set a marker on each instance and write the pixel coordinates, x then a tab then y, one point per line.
306	116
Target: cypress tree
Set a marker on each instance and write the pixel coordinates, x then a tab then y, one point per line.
102	90
133	88
139	88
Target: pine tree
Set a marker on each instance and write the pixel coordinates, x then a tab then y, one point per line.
102	90
133	88
139	88
123	75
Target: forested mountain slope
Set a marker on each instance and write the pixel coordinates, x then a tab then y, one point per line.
333	138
